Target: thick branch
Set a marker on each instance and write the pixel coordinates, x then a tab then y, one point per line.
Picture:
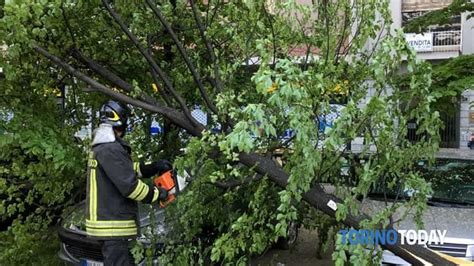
105	73
184	54
68	26
326	17
348	46
210	50
152	62
110	76
169	113
163	93
154	76
347	14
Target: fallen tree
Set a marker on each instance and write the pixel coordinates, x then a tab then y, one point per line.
286	91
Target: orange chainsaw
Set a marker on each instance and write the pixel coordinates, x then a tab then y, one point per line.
168	181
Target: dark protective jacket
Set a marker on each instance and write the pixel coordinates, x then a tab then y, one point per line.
113	188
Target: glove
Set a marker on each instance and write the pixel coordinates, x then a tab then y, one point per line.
155	168
163	194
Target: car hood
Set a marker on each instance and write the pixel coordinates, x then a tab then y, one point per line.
458	220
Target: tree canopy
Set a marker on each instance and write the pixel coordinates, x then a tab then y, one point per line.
439	17
258	68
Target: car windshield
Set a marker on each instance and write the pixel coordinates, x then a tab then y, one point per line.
452	181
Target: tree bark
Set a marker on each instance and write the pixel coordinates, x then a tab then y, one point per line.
184	55
164	77
172	114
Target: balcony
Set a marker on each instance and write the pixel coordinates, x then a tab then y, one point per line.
447	41
436	44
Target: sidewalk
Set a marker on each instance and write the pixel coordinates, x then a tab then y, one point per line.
456	153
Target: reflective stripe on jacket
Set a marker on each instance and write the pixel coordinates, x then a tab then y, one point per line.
113	190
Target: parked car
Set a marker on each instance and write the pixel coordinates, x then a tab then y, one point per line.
78	249
450	207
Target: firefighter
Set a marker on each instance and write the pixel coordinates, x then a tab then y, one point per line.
113	187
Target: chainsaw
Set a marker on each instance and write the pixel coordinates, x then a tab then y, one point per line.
168	181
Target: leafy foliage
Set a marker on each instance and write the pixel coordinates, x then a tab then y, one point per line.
439	17
451	78
41	164
40	172
229	213
455	74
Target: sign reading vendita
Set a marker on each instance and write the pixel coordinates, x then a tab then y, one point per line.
420	42
390	237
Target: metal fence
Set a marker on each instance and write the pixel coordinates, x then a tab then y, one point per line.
449	40
449	133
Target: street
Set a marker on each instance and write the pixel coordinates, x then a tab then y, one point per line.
304	253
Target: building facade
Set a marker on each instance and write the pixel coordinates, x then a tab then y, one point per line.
437	44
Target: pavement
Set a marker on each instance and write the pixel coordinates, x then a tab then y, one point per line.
456	153
303	254
450	153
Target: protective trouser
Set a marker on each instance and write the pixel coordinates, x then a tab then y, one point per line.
117	253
